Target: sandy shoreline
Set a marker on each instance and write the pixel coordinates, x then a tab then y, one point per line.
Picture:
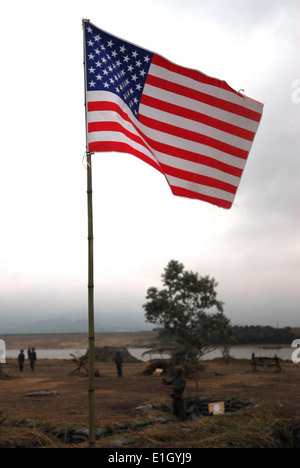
80	340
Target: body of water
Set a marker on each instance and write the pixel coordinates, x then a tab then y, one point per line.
236	352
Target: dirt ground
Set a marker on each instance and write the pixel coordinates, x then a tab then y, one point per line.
116	398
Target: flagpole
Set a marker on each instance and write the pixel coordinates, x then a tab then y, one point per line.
91	327
91	331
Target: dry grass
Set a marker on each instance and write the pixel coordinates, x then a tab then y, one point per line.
263	426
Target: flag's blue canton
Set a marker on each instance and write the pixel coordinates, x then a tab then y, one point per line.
116	65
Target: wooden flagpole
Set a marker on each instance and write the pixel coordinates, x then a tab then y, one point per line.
91	328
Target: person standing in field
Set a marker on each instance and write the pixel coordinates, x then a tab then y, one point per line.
32	358
21	359
178	386
119	361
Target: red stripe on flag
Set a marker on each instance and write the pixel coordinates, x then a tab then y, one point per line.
106	126
194	157
182	192
198	179
197	117
190	73
203	97
193	136
165	148
100	146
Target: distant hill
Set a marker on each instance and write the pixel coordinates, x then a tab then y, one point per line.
64	325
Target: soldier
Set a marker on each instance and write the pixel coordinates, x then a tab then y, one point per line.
32	358
21	359
178	385
119	361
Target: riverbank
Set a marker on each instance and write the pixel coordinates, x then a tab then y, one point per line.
141	339
61	346
146	354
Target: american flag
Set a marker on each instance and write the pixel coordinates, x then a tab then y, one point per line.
196	130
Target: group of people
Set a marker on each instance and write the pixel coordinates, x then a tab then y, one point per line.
177	383
31	353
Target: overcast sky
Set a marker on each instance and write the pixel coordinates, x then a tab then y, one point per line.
252	250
